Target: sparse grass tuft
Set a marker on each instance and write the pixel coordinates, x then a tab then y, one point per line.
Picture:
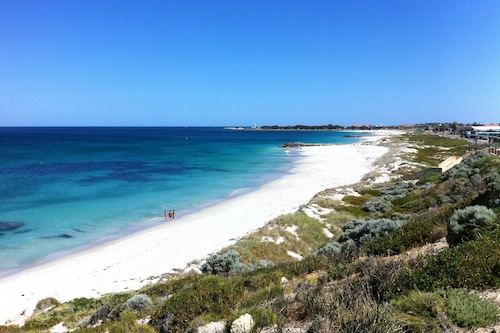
355	200
324	202
421	312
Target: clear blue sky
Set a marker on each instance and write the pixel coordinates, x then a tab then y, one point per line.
218	63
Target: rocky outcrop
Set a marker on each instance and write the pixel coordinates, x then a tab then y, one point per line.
213	327
243	324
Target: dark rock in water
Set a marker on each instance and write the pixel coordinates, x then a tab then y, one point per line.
78	230
302	144
9	226
64	236
58	236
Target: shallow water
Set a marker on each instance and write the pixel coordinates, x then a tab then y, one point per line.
64	188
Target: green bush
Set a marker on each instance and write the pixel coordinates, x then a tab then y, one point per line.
110	310
40	323
491	196
83	303
137	303
223	264
485	162
263	317
470	311
46	303
264	295
397	190
410	235
371	191
329	249
353	210
474	265
45	315
364	231
379	204
432	312
430	177
466	224
127	324
355	200
210	295
420	312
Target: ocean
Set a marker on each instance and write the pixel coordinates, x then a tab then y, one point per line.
63	189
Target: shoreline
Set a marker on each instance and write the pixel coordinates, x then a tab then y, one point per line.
141	258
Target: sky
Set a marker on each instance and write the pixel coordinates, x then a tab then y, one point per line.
240	63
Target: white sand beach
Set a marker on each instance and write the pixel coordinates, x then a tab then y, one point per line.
140	258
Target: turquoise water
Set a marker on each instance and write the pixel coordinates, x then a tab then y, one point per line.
67	188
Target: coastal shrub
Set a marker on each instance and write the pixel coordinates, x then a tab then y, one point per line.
45	304
369	191
41	323
128	323
397	190
111	309
83	303
346	307
364	231
491	196
470	311
415	202
329	249
356	200
84	322
266	264
473	265
379	204
466	224
420	312
410	235
137	303
305	266
355	211
211	295
434	311
324	202
430	178
455	191
223	264
171	286
379	275
400	216
263	316
332	249
264	295
487	164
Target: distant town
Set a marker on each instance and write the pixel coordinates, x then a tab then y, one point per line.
489	132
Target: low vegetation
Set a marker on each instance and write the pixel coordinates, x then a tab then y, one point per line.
401	256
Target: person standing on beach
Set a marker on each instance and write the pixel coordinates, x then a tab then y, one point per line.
165	214
173	214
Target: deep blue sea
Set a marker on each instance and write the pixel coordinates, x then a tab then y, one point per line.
67	188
